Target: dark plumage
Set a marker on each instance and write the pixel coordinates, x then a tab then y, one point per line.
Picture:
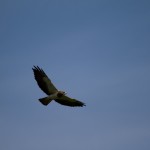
53	94
43	81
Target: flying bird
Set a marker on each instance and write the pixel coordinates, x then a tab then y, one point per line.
52	93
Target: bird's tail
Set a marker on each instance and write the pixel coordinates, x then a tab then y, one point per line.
45	101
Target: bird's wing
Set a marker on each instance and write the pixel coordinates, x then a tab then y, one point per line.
65	100
43	81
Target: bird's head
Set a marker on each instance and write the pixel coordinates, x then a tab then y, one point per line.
61	93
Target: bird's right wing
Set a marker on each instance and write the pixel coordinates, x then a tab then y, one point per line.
65	100
43	81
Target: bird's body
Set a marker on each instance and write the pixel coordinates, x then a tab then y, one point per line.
56	95
53	94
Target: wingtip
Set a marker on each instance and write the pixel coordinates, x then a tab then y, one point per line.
83	105
34	67
37	68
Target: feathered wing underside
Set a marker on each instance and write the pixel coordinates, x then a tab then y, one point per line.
65	100
43	81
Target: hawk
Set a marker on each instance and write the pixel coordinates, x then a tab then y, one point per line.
53	94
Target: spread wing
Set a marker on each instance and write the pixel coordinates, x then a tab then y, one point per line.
43	81
64	100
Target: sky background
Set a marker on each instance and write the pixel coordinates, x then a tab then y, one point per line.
98	51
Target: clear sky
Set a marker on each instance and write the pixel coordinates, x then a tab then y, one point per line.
98	51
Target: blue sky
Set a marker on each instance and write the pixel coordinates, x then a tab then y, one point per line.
98	51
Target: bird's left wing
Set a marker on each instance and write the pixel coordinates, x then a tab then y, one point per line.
43	81
65	100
